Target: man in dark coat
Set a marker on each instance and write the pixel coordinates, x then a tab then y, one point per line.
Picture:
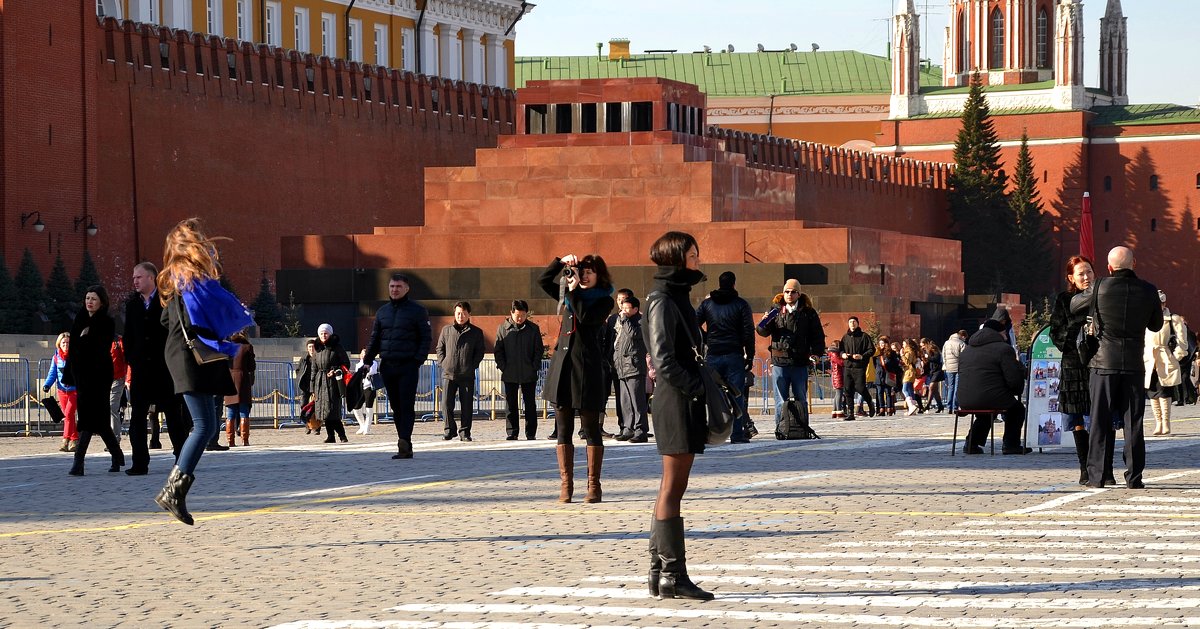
796	334
1126	307
991	377
519	358
856	349
150	383
459	352
401	337
728	325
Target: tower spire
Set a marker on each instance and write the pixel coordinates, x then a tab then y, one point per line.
906	59
1114	61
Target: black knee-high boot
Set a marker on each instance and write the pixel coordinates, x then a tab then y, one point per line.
173	494
673	581
1081	450
655	560
80	451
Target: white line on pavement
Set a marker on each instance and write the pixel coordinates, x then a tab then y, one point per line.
1123	524
894	601
376	482
1012	544
1056	502
1093	570
1127	507
774	481
790	617
1165	583
1163	499
432	624
982	556
1107	532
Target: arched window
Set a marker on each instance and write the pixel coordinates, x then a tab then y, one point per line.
1154	182
1106	225
997	57
1107	183
1154	224
1198	180
1043	39
963	53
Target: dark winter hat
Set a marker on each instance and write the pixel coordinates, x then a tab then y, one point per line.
993	324
1001	315
726	280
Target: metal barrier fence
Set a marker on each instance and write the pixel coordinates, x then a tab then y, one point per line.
277	403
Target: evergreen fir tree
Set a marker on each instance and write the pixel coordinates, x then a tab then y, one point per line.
9	314
61	301
978	204
89	276
30	294
1031	262
267	312
291	317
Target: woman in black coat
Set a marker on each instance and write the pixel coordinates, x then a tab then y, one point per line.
329	366
237	406
678	410
1074	401
91	368
577	381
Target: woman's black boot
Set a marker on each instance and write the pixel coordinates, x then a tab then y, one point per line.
1081	450
655	560
173	494
81	448
673	579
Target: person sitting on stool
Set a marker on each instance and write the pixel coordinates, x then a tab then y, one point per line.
991	378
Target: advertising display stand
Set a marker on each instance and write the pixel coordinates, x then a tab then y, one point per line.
1045	426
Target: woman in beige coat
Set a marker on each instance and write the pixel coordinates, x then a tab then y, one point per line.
1164	349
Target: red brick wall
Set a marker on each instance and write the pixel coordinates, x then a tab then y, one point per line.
140	146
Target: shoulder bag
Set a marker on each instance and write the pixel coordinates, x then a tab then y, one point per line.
722	402
1087	341
201	352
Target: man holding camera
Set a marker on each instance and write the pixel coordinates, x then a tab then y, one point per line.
795	330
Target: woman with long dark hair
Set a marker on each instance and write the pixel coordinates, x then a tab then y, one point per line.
1074	401
577	382
91	369
237	406
678	411
199	315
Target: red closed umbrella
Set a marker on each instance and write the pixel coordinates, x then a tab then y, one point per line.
1087	242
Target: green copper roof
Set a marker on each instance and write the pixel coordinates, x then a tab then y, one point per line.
1126	115
735	74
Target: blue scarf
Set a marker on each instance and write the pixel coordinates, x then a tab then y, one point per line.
587	296
210	306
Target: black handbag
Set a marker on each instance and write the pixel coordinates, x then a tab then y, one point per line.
722	402
1087	341
52	407
201	352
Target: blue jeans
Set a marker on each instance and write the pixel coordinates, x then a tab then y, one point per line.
792	379
732	368
234	411
203	408
952	391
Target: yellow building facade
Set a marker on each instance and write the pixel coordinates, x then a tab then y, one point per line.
468	40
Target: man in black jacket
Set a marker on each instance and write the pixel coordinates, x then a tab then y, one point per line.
1125	308
991	377
150	383
519	352
728	325
856	349
401	337
459	352
796	334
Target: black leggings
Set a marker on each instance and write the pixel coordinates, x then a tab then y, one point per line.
564	425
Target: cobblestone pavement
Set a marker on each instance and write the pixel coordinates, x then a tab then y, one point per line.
874	525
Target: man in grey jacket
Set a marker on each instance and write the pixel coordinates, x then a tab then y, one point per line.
950	352
519	357
459	352
629	364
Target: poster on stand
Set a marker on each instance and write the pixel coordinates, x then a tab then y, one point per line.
1045	427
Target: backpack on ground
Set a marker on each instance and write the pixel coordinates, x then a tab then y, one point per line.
795	423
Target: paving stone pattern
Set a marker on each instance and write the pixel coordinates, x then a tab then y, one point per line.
873	525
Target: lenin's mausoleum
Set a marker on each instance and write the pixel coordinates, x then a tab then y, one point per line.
329	175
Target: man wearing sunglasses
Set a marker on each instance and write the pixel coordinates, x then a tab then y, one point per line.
794	328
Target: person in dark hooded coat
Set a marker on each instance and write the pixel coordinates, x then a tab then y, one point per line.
91	370
329	368
991	377
728	323
578	381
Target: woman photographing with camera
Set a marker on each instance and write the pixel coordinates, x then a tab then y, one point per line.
576	383
198	314
678	407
